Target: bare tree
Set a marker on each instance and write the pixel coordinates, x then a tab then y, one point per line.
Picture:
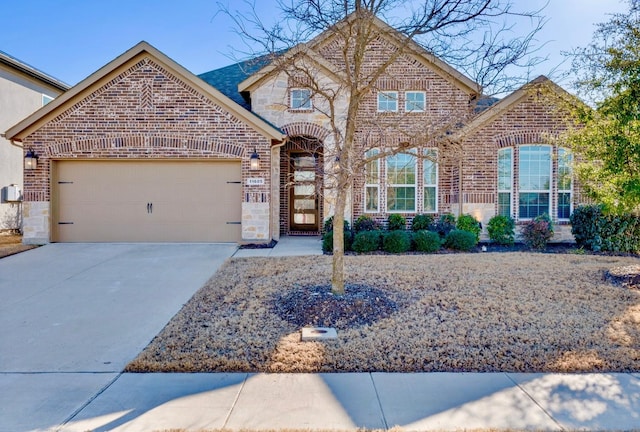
480	39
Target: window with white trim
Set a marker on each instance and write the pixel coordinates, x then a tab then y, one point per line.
565	160
301	99
430	180
534	181
388	101
372	183
401	183
505	181
415	101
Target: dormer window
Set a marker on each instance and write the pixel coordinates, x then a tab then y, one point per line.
301	99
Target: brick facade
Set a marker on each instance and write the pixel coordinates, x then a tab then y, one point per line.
145	111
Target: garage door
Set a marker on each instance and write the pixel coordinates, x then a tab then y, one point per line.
105	201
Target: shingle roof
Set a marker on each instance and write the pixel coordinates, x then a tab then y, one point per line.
25	68
226	79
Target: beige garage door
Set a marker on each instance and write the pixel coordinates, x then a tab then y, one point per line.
105	201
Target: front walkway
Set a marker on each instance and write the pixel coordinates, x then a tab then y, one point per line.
287	246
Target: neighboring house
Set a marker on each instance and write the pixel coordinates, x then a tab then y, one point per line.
23	90
143	150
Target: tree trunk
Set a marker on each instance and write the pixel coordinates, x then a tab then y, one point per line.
337	275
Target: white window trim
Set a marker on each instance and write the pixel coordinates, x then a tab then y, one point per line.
387	93
570	190
406	101
310	107
510	191
551	180
425	185
405	185
372	152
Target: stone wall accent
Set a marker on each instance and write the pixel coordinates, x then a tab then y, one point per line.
36	222
255	222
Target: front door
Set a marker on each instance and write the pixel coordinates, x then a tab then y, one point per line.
303	199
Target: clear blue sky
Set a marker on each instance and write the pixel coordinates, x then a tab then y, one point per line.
70	39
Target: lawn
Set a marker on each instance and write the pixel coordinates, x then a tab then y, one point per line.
484	312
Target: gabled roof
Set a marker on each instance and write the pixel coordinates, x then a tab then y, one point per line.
512	99
32	72
226	79
413	48
254	75
124	61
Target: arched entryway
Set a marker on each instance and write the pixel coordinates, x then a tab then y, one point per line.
301	185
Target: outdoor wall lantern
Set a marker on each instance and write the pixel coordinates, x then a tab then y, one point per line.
254	161
30	160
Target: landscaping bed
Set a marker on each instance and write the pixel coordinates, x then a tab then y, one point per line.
483	312
11	244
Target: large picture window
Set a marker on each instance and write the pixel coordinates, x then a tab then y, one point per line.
372	183
534	181
505	181
401	183
430	180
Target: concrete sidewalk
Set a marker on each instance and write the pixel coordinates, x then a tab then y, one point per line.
286	246
414	402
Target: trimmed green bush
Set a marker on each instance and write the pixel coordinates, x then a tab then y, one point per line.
460	240
365	223
537	232
328	225
396	222
586	226
367	241
445	224
327	241
501	230
396	241
466	222
427	241
421	222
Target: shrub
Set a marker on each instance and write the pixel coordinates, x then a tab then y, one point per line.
365	223
366	241
327	241
466	222
396	241
445	224
460	240
328	225
427	241
586	226
421	222
501	230
537	232
397	222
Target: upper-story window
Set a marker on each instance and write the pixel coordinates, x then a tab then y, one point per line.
301	99
388	101
46	99
415	101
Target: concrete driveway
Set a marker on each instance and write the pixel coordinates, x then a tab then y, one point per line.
73	315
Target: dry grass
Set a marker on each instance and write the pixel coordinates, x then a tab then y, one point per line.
11	244
525	312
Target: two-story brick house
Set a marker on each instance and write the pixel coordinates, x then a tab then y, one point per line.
143	150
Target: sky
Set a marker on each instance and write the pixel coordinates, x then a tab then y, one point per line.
71	39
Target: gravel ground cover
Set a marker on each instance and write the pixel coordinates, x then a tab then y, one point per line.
11	244
482	312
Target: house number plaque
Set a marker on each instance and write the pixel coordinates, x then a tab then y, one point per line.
255	181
